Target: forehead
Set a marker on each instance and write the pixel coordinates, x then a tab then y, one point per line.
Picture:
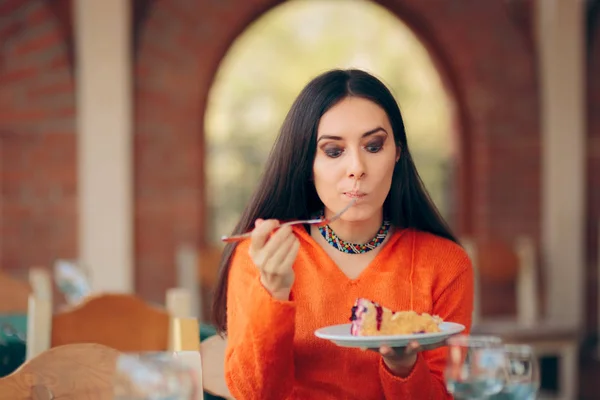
353	116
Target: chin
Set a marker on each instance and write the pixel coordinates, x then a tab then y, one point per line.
359	213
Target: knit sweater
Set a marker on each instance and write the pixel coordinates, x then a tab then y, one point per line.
272	352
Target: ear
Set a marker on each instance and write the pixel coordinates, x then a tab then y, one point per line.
398	152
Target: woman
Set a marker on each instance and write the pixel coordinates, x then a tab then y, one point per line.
343	139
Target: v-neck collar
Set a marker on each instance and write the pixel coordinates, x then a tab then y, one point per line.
321	255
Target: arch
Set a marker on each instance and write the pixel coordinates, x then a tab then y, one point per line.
497	109
464	193
401	60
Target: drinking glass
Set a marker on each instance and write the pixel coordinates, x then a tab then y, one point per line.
475	366
522	374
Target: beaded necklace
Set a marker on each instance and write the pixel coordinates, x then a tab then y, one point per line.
354	248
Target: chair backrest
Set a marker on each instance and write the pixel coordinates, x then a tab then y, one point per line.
78	371
528	308
41	283
121	321
502	268
186	261
13	295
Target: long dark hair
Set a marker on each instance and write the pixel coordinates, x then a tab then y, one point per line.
285	190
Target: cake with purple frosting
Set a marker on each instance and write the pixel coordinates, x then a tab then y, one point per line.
369	319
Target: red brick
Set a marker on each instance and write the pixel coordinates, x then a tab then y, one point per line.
62	87
39	43
18	75
38	214
39	15
8	7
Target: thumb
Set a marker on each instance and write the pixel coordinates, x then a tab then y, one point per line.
259	221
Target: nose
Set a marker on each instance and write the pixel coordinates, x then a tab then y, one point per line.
356	166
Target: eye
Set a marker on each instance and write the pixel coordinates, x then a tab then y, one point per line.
374	146
333	152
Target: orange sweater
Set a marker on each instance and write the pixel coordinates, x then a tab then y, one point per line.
272	352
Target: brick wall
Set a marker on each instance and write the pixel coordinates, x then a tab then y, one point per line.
498	102
37	141
180	44
168	142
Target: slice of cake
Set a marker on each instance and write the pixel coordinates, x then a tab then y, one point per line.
369	319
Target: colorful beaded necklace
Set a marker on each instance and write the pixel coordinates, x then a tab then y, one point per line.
354	248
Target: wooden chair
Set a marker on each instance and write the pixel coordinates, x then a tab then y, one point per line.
121	321
186	262
13	314
82	371
14	293
41	283
73	372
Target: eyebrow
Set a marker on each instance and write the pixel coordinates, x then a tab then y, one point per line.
364	135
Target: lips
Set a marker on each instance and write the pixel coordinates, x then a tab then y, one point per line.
355	195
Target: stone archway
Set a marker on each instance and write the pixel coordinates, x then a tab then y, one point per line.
267	66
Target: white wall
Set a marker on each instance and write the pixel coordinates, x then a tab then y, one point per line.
561	51
104	125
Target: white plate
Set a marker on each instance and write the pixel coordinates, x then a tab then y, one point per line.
340	335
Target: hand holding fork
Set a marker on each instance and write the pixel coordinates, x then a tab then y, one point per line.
316	221
274	253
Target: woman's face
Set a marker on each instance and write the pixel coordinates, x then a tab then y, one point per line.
355	158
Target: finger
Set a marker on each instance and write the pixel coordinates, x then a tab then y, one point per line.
387	351
291	255
277	240
285	260
275	262
260	234
412	348
293	252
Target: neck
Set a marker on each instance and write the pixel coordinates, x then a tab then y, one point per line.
358	232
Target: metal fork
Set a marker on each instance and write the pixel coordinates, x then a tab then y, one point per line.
316	221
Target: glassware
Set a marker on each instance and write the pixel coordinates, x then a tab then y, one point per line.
475	366
72	280
522	374
153	376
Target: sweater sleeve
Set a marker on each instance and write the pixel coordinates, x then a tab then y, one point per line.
454	302
259	359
